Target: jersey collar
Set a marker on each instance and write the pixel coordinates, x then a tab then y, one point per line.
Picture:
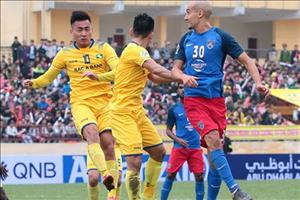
92	42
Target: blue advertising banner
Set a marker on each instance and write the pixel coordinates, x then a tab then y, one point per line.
244	167
75	170
265	166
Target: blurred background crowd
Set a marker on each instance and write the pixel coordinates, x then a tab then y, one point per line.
43	115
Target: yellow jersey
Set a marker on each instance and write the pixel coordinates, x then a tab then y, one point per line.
130	78
98	58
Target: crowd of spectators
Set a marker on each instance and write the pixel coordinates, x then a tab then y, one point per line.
43	115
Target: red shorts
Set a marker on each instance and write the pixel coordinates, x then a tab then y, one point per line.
206	115
194	158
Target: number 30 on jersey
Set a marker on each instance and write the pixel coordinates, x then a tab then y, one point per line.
198	51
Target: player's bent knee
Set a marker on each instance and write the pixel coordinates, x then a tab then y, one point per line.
93	176
212	140
90	133
199	177
134	163
157	153
171	176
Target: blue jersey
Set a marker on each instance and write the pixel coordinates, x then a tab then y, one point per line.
204	55
184	129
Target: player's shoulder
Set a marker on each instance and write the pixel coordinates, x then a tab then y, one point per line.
172	108
221	32
186	35
101	44
67	49
134	49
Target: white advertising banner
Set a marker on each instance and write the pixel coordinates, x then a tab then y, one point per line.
33	169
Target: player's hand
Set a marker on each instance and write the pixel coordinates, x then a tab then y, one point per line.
262	89
90	75
27	83
190	81
182	142
3	171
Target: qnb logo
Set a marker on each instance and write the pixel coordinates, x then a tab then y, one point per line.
38	170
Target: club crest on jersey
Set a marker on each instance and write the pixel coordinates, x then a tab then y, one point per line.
99	55
144	54
210	44
201	125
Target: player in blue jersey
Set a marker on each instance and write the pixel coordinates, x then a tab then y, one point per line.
186	148
203	51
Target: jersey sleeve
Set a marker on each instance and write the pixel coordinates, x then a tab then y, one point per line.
140	55
171	118
110	56
180	53
229	45
56	66
112	60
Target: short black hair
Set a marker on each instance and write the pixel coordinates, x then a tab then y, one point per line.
143	25
79	16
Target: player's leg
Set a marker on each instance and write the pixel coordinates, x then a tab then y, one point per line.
86	125
152	143
93	187
129	139
133	182
3	194
152	170
208	117
213	181
115	193
107	143
177	157
167	186
196	165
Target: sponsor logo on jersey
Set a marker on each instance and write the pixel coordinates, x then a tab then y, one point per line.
99	56
73	61
189	44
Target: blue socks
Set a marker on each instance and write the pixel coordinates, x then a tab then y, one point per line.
213	184
220	162
166	188
199	190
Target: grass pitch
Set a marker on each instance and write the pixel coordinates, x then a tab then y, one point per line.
260	190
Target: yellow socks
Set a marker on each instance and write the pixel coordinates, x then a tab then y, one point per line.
133	185
113	170
118	191
97	156
152	172
93	192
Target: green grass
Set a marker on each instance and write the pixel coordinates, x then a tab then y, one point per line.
260	190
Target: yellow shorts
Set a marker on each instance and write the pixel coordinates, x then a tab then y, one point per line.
91	166
91	112
134	131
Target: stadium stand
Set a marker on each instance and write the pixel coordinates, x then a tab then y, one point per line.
44	115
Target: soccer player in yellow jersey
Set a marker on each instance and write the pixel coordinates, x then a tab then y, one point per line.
132	129
89	99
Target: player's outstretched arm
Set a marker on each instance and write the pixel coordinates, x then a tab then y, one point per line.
157	69
158	79
252	69
105	77
42	80
177	73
